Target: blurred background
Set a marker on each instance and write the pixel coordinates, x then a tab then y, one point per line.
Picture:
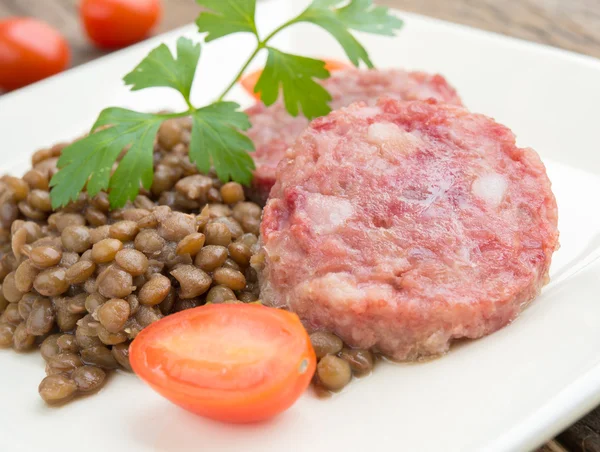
54	35
569	24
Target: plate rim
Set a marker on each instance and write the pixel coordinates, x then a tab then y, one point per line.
569	404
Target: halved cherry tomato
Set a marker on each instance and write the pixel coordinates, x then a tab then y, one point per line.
30	50
230	362
249	81
119	23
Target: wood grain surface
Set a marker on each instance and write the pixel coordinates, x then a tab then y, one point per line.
569	24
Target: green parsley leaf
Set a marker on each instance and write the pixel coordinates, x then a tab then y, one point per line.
90	160
358	15
136	167
161	68
362	15
328	20
225	17
325	3
295	76
217	142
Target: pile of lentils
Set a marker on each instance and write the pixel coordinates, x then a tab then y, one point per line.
81	282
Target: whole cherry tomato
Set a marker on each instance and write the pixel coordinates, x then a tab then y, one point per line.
229	362
119	23
30	50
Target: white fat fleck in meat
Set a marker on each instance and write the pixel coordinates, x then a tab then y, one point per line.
491	188
328	212
366	112
389	134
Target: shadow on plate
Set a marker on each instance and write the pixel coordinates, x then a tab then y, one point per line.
166	427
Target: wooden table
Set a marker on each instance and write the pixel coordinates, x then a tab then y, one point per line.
570	24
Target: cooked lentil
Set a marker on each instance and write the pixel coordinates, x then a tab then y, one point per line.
334	373
240	253
217	234
232	192
65	320
231	264
9	288
211	257
99	356
220	294
121	354
22	340
155	290
80	271
193	281
7	331
132	261
229	277
114	282
64	362
25	304
105	250
11	314
25	275
113	315
149	242
57	389
76	304
147	315
247	297
49	347
41	317
109	338
88	378
99	233
191	244
124	231
67	343
45	256
361	361
325	343
76	238
68	259
51	282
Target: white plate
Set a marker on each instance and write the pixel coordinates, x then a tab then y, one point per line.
509	391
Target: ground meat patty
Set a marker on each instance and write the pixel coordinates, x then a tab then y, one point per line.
405	225
274	130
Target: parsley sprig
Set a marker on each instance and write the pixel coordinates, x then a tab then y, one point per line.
218	141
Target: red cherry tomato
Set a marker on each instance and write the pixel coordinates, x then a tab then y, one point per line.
30	50
119	23
230	362
249	81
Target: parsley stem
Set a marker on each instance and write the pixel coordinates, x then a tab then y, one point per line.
188	112
259	47
189	104
278	29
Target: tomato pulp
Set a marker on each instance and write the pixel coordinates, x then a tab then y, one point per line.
230	362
